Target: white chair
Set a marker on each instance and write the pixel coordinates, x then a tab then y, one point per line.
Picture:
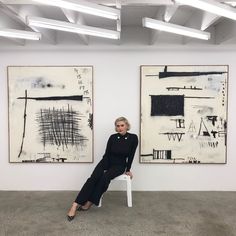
126	178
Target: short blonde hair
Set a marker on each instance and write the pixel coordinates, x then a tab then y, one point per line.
124	120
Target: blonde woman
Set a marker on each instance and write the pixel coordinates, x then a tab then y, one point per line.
117	160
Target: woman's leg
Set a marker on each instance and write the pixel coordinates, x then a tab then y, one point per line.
88	187
104	182
87	205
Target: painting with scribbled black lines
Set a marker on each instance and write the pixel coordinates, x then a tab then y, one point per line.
50	114
183	114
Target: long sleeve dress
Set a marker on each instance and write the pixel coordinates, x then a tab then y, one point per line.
117	159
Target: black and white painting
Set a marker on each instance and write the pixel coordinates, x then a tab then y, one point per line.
50	113
183	114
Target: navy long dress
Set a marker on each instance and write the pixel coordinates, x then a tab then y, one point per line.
117	159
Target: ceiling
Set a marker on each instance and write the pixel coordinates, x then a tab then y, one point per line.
13	13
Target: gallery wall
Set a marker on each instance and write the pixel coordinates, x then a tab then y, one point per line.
117	93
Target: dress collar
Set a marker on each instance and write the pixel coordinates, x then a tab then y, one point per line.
125	136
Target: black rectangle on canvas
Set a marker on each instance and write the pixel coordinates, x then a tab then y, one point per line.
167	105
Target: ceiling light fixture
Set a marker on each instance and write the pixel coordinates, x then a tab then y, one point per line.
176	29
211	6
70	27
232	3
85	7
20	34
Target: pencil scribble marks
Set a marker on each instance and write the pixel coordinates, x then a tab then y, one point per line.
214	133
203	131
43	83
46	157
199	97
223	131
179	123
201	109
213	119
192	128
23	134
161	154
208	144
223	92
193	160
60	127
90	121
174	135
172	88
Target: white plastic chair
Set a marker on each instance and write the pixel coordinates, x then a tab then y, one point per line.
126	178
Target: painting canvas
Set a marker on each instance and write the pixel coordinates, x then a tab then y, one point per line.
183	114
50	113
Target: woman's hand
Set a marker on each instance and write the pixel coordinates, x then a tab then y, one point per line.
129	173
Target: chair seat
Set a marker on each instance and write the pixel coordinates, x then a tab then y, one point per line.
122	177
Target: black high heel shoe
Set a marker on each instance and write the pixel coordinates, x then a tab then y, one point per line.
70	218
80	208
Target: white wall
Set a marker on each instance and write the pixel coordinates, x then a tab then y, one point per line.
116	93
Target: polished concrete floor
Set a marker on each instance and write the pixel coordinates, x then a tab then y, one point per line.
153	213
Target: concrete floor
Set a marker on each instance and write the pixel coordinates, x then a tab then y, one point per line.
153	213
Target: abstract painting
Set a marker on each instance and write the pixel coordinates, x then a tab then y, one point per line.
50	113
183	114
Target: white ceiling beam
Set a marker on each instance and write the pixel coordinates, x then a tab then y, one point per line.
208	19
195	22
75	17
155	33
7	22
164	13
9	11
225	32
25	11
169	12
112	2
19	14
85	7
211	6
104	2
70	15
223	1
136	2
118	21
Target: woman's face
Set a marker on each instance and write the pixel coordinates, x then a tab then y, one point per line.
121	127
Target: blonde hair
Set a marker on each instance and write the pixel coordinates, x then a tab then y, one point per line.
123	119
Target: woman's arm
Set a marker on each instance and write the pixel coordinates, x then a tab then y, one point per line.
108	148
132	152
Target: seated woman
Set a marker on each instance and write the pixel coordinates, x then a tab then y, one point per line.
117	159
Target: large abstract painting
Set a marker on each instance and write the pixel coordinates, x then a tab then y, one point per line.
50	113
183	114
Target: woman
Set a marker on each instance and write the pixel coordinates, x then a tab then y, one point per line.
117	159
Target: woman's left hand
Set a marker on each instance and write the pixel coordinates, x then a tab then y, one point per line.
129	173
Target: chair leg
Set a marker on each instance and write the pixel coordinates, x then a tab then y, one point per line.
129	192
100	202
